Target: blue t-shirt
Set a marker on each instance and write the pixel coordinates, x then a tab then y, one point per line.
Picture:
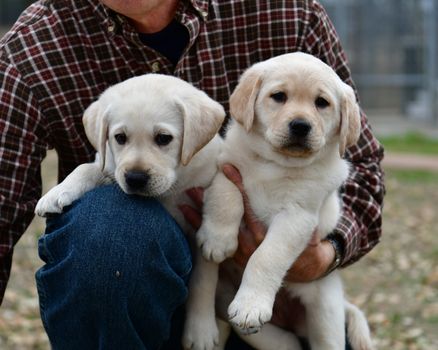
170	42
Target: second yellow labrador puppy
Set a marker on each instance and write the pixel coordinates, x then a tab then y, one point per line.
294	117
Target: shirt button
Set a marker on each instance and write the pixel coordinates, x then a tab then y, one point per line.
204	14
155	67
111	27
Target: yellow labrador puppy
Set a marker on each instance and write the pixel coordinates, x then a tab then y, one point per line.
294	118
153	134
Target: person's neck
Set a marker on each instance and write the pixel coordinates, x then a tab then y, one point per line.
155	19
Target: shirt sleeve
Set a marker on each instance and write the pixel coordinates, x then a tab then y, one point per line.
22	148
360	226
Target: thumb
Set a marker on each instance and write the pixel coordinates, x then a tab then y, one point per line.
249	218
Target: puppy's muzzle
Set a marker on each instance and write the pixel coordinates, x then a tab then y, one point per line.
137	180
299	130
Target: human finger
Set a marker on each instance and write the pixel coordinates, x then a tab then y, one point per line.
316	239
191	215
313	262
249	218
196	194
233	174
247	245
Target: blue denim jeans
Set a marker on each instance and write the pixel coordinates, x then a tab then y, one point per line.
115	275
116	270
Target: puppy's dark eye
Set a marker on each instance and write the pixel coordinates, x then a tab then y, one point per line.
279	97
163	139
120	138
321	102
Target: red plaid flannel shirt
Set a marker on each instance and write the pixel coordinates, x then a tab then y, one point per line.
60	55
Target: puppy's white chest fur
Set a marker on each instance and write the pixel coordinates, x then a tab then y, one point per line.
273	188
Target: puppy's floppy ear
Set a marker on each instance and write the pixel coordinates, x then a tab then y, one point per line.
96	128
202	117
350	120
243	98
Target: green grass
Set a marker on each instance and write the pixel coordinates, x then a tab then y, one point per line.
432	320
412	142
413	176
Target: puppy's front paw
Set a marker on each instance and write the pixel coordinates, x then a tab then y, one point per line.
200	335
249	313
216	243
54	201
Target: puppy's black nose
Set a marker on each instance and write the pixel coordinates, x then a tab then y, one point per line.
136	180
299	128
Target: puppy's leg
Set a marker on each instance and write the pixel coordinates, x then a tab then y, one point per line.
288	235
200	329
325	312
223	208
84	178
358	332
271	337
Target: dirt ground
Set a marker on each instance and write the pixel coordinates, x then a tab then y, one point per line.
396	284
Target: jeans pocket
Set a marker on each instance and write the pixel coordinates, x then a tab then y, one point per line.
54	244
186	271
55	249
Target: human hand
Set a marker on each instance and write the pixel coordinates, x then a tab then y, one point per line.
313	262
250	235
193	215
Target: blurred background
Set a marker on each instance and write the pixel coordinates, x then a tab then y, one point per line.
393	54
392	48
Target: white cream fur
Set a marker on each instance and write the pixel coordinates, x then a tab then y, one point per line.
142	107
293	190
277	185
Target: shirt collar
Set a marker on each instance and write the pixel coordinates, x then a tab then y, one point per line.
201	6
107	17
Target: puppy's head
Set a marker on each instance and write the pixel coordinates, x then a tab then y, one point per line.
146	127
298	104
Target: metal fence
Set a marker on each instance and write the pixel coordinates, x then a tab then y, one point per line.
392	48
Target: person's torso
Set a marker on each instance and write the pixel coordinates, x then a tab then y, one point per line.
69	52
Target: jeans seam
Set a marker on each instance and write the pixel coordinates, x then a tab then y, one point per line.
187	272
50	258
43	298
